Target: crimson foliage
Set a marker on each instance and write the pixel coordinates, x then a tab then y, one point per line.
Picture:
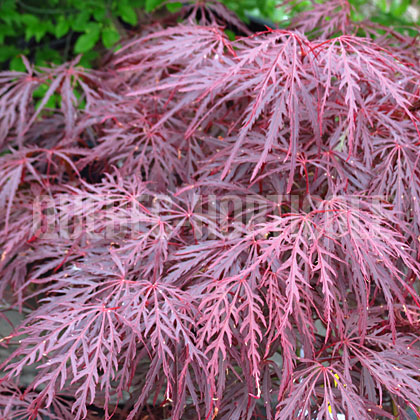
227	229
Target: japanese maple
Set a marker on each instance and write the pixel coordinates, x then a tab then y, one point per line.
216	228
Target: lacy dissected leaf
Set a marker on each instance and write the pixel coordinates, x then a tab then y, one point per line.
213	228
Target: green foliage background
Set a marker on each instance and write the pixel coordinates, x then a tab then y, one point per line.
53	31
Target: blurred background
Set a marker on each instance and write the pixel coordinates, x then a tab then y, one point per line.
54	31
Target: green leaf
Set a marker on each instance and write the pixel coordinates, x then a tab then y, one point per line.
127	13
7	52
45	56
62	27
152	4
88	59
88	40
399	7
5	30
8	12
137	3
174	7
34	27
81	20
382	4
230	34
16	64
99	14
40	91
29	20
52	103
110	36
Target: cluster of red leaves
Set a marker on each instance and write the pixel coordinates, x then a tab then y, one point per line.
142	280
